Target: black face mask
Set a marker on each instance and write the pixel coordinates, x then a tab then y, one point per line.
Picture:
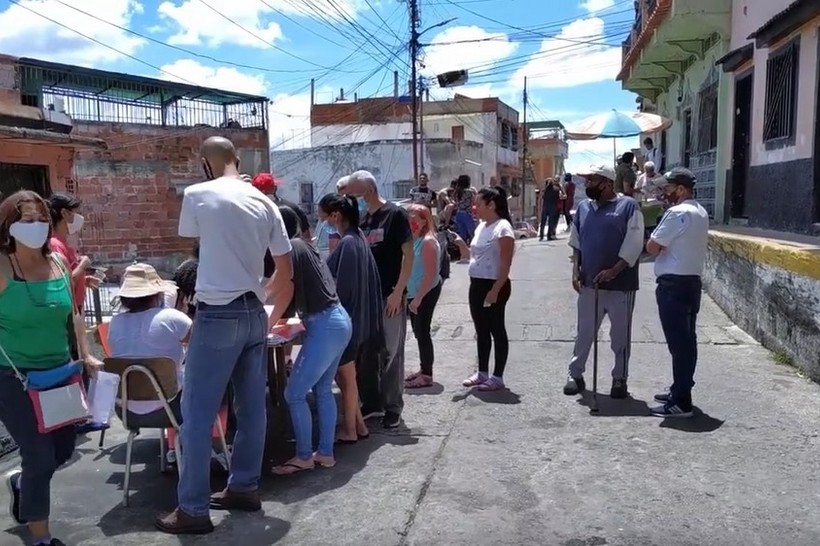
594	192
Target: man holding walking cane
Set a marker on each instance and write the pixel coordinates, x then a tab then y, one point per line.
607	240
679	244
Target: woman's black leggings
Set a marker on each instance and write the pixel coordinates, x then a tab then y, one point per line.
490	324
422	323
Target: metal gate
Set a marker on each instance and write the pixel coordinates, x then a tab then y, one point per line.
15	177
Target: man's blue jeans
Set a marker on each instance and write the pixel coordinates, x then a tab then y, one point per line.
678	299
326	335
227	345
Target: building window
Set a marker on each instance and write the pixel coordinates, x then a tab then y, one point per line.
306	197
708	118
15	177
514	139
401	189
505	135
457	132
781	93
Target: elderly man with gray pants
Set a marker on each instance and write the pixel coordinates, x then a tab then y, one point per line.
387	228
607	241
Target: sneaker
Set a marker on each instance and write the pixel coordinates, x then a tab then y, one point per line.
391	420
180	523
233	500
171	457
619	389
13	484
475	380
671	411
662	397
371	413
575	385
492	384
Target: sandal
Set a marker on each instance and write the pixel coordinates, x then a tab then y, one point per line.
475	380
345	441
419	382
291	467
324	462
412	376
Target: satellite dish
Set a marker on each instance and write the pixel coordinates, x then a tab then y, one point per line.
453	79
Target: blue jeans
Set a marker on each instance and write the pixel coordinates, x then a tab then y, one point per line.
465	225
227	345
326	335
678	299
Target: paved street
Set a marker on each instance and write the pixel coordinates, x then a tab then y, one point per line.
527	466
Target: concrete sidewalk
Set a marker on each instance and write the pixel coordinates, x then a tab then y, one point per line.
524	466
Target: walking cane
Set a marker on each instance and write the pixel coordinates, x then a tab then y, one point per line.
593	406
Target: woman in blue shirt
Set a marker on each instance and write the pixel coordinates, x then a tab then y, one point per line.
423	291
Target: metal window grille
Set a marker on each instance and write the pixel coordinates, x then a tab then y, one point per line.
89	95
708	118
781	93
15	177
401	189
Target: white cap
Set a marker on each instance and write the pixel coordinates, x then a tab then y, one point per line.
602	170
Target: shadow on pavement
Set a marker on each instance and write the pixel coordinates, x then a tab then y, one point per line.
699	423
435	388
610	407
504	396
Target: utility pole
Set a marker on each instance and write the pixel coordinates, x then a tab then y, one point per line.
525	136
414	95
421	91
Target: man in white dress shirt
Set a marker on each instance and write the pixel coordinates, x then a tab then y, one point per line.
679	246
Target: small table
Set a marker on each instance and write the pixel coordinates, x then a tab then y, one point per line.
279	431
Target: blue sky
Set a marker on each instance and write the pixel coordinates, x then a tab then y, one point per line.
568	49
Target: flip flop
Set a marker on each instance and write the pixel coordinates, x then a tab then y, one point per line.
287	469
344	441
324	464
420	382
364	436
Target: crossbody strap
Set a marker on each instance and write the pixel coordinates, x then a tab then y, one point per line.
17	372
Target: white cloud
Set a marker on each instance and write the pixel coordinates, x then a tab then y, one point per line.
465	48
570	59
24	33
593	6
197	24
289	121
225	78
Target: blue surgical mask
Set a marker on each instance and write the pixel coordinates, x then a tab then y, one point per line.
362	205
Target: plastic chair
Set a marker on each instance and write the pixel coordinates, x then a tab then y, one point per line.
150	379
102	337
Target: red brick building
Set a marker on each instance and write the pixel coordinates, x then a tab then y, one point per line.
137	144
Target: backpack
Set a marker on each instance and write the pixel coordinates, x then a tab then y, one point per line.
443	242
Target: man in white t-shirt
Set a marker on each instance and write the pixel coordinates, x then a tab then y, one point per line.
679	246
236	224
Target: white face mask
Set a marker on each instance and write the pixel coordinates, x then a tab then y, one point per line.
76	224
31	234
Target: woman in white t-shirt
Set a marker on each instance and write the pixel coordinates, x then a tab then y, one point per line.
491	255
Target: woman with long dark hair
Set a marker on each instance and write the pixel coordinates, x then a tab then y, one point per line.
359	290
491	255
423	291
38	320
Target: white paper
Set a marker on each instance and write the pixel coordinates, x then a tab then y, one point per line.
62	405
102	394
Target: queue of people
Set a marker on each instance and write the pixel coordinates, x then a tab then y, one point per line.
378	267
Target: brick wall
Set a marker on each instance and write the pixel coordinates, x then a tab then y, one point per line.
132	191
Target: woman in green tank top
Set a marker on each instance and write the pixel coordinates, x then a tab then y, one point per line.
37	318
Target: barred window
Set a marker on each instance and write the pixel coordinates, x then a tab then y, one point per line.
708	118
781	93
306	197
401	189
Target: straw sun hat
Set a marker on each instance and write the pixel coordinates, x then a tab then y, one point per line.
141	280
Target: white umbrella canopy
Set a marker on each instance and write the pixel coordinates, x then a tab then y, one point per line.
615	124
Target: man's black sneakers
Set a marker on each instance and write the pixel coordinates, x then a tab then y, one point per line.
662	397
391	420
575	385
619	389
672	411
